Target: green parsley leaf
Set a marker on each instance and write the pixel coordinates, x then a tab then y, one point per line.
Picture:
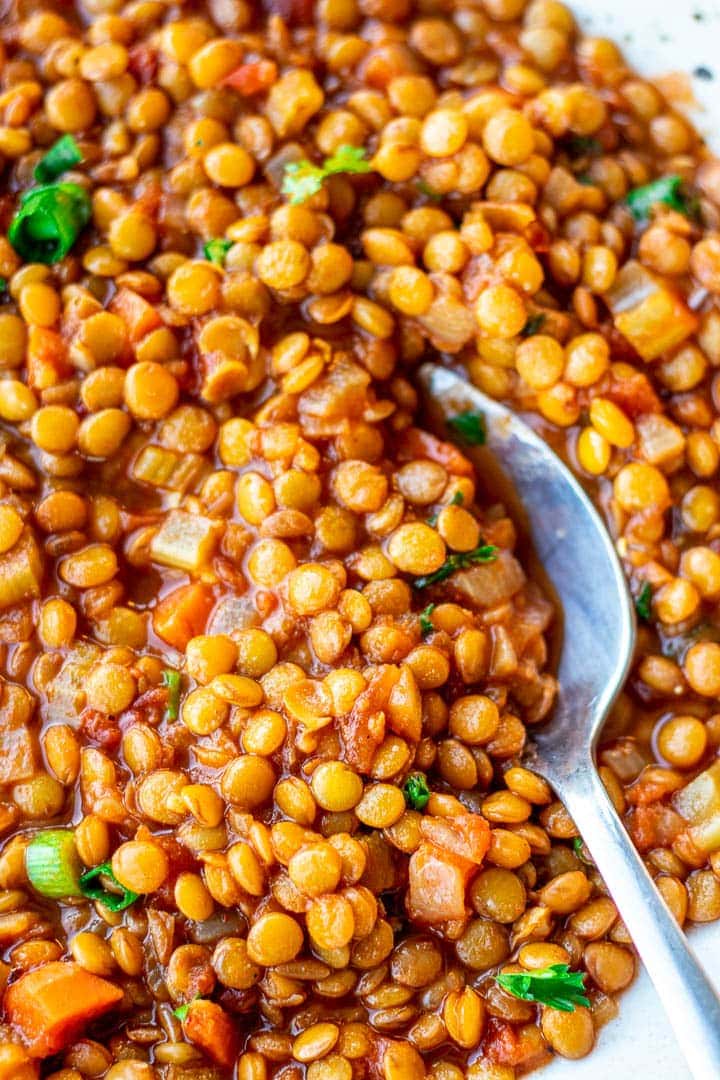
458	561
555	986
303	179
426	626
61	156
534	324
3	285
171	679
216	250
643	602
667	190
117	899
416	791
182	1011
469	427
48	221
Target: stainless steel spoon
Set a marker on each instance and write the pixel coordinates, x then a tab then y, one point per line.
578	557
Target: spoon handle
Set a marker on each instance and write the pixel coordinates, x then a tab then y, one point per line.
689	999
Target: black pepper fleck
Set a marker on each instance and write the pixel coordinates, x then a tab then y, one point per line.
703	73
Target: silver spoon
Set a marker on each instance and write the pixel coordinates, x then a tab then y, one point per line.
578	557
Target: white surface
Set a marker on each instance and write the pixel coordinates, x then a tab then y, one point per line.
657	37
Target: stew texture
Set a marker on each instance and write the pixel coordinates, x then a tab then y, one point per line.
269	655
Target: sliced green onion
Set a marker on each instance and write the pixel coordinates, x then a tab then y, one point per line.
666	189
49	220
426	624
216	250
52	864
171	679
94	889
61	156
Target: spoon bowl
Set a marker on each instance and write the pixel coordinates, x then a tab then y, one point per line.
579	560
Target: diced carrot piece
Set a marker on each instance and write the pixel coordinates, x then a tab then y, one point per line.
139	316
183	614
210	1028
415	443
463	836
16	1063
252	78
51	1005
436	887
47	362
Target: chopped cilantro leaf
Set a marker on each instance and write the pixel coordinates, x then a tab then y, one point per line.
416	791
303	179
469	427
643	602
534	325
555	986
216	250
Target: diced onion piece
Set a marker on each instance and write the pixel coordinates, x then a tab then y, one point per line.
648	313
184	541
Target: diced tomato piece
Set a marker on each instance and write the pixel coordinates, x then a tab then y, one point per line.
249	79
632	391
210	1028
464	836
139	316
47	359
656	825
183	614
363	728
437	883
143	63
415	443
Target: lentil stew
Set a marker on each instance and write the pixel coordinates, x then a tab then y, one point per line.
269	656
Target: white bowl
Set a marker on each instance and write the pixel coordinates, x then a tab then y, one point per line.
658	37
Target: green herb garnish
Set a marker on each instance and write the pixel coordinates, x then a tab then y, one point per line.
48	221
114	900
427	191
171	679
216	250
555	986
643	602
459	561
52	864
426	626
666	190
416	791
458	499
61	156
534	324
3	285
303	179
469	427
182	1011
578	848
